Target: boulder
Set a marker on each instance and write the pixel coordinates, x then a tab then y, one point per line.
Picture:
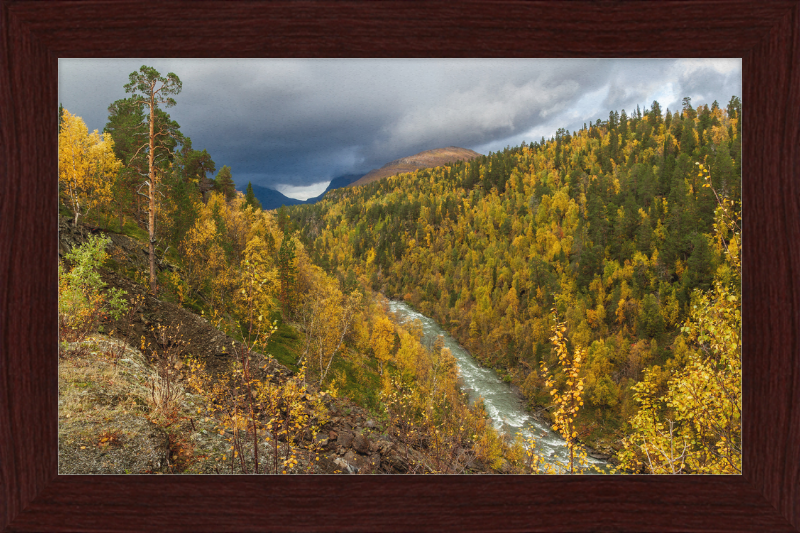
350	456
384	446
375	462
345	439
361	444
344	466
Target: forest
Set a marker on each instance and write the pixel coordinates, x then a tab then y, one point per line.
626	230
598	271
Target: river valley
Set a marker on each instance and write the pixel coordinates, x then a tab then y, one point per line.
503	406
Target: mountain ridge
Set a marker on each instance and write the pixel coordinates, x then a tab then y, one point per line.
273	199
425	159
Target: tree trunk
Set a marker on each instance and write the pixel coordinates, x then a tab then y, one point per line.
151	222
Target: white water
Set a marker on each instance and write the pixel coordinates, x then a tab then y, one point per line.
504	407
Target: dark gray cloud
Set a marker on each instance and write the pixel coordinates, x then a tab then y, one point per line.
299	122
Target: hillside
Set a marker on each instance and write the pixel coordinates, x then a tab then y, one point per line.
625	233
426	159
272	199
112	382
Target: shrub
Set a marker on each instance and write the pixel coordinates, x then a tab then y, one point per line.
82	302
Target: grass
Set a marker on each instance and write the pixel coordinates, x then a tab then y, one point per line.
362	383
284	345
132	230
91	387
104	405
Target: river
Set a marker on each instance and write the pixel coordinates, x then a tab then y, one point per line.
503	406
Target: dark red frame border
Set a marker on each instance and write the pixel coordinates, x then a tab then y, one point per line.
35	33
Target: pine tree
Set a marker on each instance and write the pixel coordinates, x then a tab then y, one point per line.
224	183
150	89
250	198
287	273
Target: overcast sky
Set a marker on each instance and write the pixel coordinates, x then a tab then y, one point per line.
293	124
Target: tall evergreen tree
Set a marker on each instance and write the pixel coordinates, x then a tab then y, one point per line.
688	140
127	125
151	89
250	197
687	108
224	183
655	113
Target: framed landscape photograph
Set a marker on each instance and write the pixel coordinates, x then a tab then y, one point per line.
485	246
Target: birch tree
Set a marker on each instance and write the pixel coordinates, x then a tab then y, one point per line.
86	166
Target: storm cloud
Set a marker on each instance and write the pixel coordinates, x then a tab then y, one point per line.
292	123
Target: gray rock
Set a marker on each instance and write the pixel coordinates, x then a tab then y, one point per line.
375	462
345	467
384	446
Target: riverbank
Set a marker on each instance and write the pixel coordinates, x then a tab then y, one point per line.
542	415
505	403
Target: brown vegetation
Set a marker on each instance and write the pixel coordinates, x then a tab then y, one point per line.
426	159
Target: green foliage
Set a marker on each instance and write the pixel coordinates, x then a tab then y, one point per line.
695	424
287	272
223	183
82	301
651	323
250	197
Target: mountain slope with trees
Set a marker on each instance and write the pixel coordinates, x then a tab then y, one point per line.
620	229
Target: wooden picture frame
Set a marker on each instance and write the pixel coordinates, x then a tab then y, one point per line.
36	33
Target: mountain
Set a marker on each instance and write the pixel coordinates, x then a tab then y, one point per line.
272	199
426	159
336	183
